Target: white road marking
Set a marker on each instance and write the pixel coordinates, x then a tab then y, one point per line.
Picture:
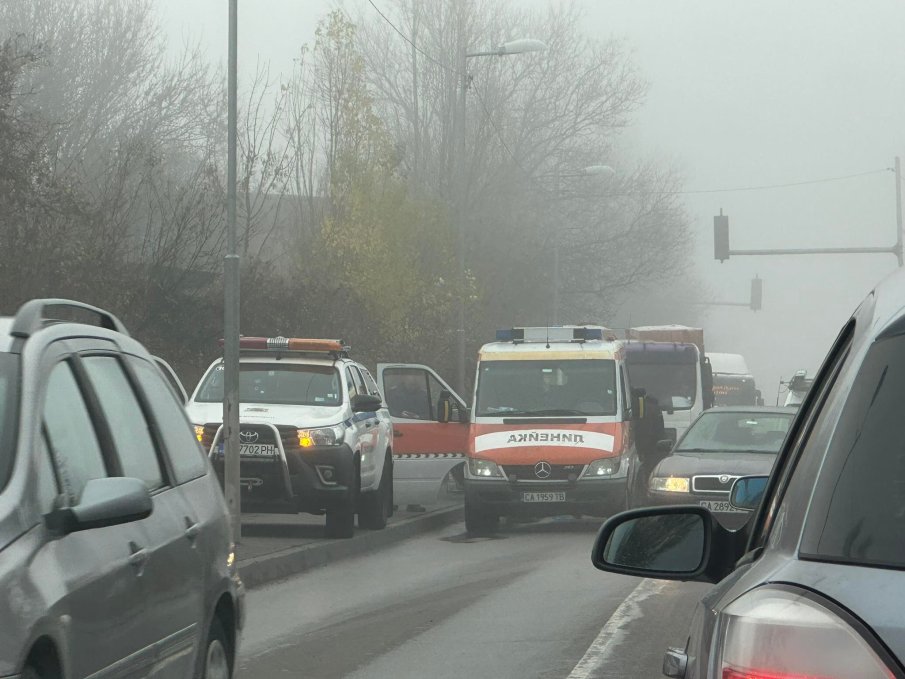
614	631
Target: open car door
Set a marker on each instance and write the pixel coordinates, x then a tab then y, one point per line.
427	453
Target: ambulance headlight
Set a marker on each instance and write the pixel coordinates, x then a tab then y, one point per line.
484	468
601	468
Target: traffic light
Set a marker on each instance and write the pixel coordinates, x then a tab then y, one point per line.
721	237
757	293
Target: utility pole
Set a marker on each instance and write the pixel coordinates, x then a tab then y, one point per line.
460	209
556	246
230	435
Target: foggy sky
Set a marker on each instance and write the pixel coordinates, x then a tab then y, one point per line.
742	94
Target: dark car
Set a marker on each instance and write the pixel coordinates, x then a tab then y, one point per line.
814	584
722	445
115	551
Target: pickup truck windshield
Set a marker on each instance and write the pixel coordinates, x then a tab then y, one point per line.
9	378
277	383
546	388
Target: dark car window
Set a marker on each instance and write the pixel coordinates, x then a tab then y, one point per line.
128	427
287	384
186	456
858	511
734	431
9	409
70	433
406	393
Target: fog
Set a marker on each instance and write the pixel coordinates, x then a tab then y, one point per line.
741	95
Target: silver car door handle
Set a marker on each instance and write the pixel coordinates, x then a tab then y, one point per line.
192	530
138	557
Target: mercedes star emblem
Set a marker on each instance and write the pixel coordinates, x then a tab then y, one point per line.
724	479
248	436
542	470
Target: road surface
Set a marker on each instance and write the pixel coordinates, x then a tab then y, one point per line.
527	603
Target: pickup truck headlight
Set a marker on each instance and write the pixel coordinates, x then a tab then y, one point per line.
671	484
323	436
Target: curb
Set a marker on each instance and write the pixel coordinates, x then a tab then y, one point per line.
262	570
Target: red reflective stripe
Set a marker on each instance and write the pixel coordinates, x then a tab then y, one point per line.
739	673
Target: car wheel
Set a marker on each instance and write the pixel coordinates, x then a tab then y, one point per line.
478	521
341	520
217	658
377	506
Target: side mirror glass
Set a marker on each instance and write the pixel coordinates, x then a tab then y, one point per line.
661	543
105	502
748	491
366	403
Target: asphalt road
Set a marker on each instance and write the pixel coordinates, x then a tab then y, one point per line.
526	603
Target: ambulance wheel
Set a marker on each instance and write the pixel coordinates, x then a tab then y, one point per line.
479	521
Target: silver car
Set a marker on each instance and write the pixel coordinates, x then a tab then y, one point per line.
115	553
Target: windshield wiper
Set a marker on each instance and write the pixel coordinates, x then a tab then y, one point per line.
548	412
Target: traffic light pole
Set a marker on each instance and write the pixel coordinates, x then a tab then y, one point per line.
722	251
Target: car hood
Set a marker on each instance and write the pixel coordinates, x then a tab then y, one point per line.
297	416
735	464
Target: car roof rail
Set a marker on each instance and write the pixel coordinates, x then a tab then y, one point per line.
32	316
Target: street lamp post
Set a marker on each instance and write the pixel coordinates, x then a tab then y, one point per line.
590	170
520	46
231	301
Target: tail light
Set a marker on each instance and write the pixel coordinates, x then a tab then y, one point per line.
773	633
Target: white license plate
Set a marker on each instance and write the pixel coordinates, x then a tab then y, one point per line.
258	450
543	497
722	506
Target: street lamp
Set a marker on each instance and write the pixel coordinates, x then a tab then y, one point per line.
520	46
604	171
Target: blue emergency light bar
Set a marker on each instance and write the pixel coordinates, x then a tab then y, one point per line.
552	334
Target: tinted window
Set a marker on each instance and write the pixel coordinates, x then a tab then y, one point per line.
406	393
858	512
70	434
672	384
185	454
278	383
9	408
124	417
566	387
370	383
728	431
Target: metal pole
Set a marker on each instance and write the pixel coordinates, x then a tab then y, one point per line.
898	211
818	251
460	210
556	239
231	301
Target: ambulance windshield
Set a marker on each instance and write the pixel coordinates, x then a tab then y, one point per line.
546	388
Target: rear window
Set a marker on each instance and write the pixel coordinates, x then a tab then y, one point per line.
277	383
9	408
858	511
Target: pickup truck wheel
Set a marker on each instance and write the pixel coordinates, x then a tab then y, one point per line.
478	521
376	507
341	520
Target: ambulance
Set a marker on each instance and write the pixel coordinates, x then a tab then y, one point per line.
551	427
